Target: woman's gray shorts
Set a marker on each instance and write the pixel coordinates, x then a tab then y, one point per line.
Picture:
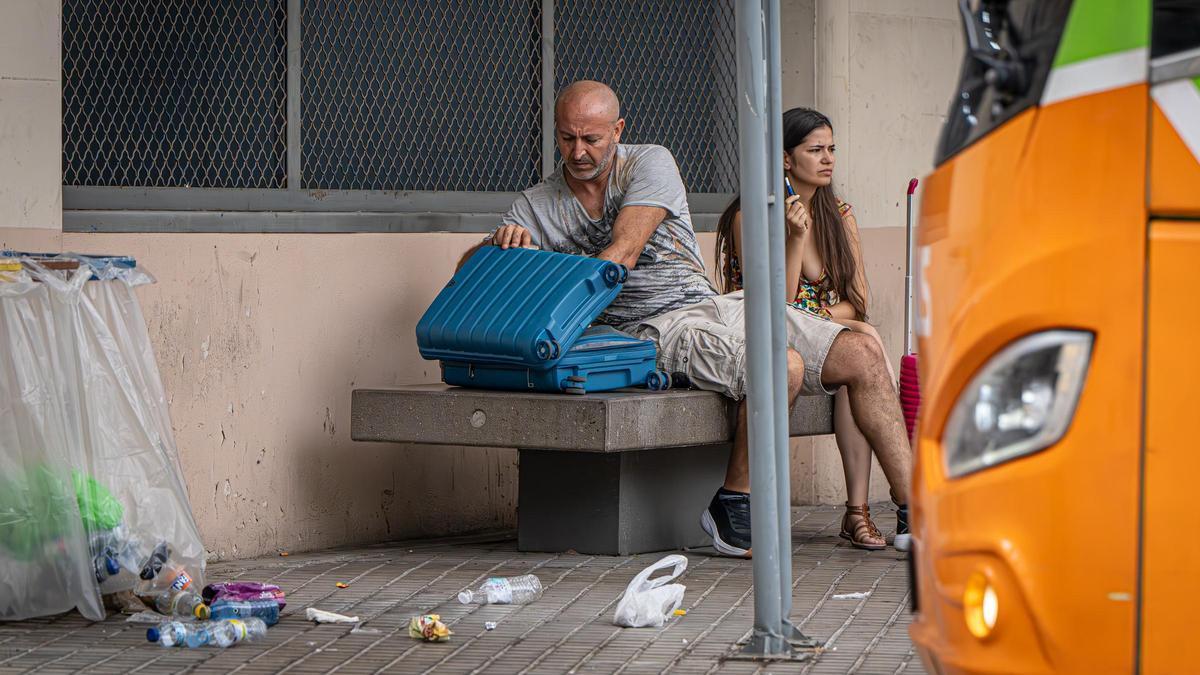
707	342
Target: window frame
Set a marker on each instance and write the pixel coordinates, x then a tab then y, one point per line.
296	209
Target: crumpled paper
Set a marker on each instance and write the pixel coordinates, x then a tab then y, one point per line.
321	616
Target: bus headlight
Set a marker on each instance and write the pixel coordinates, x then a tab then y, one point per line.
1021	401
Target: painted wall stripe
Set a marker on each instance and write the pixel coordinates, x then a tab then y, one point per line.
1096	75
1180	102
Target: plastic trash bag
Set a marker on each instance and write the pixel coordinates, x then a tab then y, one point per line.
45	563
650	602
92	364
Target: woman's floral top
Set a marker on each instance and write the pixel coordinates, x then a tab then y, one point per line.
814	297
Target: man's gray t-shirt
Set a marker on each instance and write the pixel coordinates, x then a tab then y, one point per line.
670	271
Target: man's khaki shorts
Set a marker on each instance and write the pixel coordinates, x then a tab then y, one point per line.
707	342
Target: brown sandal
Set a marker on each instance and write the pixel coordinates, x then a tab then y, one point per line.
859	534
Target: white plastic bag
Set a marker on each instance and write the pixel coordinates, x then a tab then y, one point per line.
648	602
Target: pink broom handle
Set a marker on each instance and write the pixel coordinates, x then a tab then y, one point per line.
908	265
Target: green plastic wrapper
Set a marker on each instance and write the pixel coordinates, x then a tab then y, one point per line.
98	507
35	507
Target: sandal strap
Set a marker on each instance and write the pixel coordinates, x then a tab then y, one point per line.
865	512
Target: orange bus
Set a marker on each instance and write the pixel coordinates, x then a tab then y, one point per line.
1059	262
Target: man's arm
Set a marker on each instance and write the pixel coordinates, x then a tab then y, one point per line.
632	229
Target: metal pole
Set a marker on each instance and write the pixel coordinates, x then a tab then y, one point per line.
547	88
781	289
293	94
767	638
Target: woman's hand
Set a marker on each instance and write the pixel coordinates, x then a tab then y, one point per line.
799	222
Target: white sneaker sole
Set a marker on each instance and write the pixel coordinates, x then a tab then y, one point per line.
710	528
902	542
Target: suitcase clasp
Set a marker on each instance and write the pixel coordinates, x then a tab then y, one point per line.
471	371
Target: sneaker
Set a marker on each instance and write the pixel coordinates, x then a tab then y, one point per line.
903	540
727	521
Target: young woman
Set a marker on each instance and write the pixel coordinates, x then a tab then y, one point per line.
824	262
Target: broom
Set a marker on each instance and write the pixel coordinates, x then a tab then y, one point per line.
910	387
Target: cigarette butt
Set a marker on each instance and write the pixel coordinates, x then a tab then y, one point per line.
342	584
680	612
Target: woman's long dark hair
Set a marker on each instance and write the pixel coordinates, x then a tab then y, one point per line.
833	243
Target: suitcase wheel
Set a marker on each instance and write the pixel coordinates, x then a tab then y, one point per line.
547	349
659	380
578	391
615	274
576	378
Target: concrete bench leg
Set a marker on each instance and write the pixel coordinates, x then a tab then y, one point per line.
618	503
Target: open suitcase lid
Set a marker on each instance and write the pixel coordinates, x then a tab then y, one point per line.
517	306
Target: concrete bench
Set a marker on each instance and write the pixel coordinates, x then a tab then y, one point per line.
614	473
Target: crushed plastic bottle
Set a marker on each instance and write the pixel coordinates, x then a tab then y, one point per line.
173	633
232	631
267	610
504	591
181	603
160	572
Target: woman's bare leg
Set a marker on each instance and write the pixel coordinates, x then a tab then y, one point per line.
856	460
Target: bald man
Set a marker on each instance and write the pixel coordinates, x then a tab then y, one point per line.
614	201
627	204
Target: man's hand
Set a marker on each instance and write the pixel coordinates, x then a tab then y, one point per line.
512	236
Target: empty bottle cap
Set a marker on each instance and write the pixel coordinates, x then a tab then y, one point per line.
152	634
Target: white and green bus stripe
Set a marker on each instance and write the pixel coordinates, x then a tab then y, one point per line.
1105	45
1180	102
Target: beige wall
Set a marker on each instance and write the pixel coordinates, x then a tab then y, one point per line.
30	115
260	338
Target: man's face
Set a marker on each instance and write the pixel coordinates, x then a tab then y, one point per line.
587	140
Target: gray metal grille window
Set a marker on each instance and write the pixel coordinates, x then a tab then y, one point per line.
393	115
174	93
421	95
673	66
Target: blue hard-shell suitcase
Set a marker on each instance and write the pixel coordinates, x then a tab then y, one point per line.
517	306
602	359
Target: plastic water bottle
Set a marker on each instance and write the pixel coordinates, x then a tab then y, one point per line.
267	610
200	634
172	633
232	631
181	603
105	565
504	591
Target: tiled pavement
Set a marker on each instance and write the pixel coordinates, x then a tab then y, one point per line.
568	630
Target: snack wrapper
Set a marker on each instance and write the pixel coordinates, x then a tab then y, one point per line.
428	627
